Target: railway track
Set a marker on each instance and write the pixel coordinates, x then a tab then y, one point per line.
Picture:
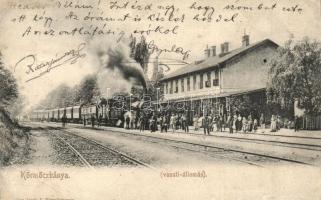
251	158
312	147
304	146
214	154
91	153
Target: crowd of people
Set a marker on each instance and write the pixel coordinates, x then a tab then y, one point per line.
171	122
234	123
163	122
93	121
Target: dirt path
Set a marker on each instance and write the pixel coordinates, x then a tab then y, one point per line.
42	152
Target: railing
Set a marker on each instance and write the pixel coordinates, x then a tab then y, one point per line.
311	123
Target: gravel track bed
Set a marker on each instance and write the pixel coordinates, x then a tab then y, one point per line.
64	155
93	154
212	152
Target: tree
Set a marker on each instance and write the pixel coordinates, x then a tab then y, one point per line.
61	96
86	92
64	96
76	95
139	52
16	107
89	91
8	87
244	105
295	75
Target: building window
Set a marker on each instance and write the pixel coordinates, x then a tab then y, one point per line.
166	90
208	82
171	89
194	82
216	81
201	81
176	86
182	84
163	87
188	84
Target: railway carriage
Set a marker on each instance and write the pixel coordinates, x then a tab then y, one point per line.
76	114
48	115
62	112
34	115
45	115
38	115
56	114
69	113
41	115
88	111
51	115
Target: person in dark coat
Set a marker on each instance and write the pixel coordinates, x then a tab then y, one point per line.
239	123
220	122
206	125
165	123
185	123
250	123
127	120
84	120
142	123
100	119
153	123
230	122
296	124
64	120
92	121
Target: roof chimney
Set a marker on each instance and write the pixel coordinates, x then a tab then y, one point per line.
245	40
226	44
213	51
222	48
207	52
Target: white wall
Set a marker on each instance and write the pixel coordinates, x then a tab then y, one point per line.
249	71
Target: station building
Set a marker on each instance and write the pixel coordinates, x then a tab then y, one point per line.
206	86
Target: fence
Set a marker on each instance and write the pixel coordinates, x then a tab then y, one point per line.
311	123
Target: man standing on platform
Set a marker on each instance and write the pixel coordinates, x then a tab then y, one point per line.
206	125
92	121
296	124
64	120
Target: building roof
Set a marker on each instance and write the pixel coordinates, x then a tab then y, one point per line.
215	61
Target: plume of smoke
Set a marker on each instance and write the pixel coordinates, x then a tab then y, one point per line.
118	58
112	81
116	71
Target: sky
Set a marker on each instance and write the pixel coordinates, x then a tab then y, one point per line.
276	25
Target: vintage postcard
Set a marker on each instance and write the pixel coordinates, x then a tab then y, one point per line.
167	99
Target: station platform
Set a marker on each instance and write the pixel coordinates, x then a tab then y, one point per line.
303	146
260	133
